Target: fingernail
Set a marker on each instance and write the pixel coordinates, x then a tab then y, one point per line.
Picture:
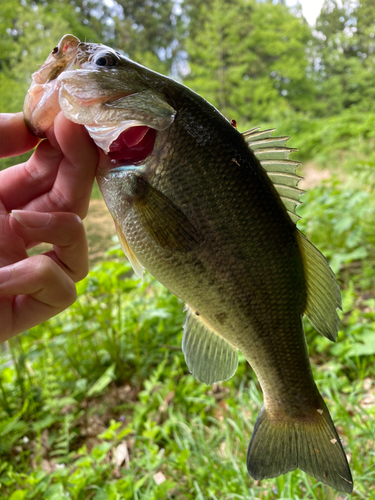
5	273
31	219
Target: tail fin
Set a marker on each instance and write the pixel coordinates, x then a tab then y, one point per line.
313	445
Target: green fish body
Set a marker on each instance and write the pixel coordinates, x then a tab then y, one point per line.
195	205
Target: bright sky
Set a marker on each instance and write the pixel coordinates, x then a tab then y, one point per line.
310	8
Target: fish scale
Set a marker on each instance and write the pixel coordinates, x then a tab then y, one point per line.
211	214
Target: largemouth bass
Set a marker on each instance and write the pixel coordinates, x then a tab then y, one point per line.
210	213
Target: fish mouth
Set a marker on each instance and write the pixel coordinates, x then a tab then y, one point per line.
133	145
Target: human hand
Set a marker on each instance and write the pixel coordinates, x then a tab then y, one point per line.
46	195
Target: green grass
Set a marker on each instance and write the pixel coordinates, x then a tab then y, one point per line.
109	371
335	142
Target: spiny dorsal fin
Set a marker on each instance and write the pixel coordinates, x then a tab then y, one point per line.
274	158
209	357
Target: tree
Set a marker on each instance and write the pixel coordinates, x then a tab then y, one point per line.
344	57
248	58
149	32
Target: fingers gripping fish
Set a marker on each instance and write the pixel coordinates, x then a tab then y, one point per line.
210	213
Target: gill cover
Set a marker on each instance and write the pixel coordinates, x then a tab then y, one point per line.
88	97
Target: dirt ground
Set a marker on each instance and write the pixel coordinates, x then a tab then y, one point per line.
100	230
312	176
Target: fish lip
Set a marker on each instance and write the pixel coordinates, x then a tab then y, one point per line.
46	83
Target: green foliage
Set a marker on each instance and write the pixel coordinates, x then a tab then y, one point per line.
148	32
248	58
344	55
336	143
260	61
339	221
98	402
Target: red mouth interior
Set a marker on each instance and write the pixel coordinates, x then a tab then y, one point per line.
133	145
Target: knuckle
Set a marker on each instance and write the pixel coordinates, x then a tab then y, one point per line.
33	172
69	294
76	233
81	273
37	175
43	267
59	201
51	276
70	229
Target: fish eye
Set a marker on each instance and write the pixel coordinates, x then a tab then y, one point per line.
106	60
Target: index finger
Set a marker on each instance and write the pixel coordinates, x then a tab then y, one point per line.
15	137
75	176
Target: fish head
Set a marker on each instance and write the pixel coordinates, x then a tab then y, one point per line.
114	98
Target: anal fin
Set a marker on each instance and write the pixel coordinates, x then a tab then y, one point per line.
209	357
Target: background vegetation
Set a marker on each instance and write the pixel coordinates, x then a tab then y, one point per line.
98	403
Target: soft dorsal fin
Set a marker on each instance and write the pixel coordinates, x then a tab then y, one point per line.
274	158
209	357
323	292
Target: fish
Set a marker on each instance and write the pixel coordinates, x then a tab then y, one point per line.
210	213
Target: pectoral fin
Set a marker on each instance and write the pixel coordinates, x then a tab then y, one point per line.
209	357
163	221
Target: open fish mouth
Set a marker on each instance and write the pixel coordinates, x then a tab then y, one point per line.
133	145
125	143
